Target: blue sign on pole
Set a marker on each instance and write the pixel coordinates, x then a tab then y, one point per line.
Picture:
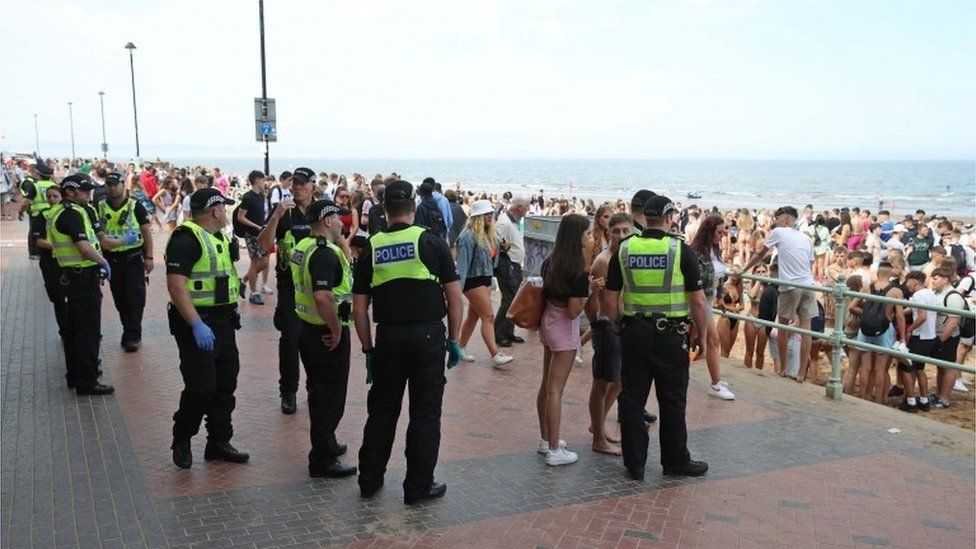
266	129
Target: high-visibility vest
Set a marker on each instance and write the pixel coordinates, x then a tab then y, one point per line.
65	251
214	263
285	245
299	259
396	255
653	282
117	223
39	199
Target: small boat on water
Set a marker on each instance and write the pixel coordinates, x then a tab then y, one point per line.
694	194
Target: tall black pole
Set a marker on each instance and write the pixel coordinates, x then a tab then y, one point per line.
135	116
37	138
264	88
101	101
71	120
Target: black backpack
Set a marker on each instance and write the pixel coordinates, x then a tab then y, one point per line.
238	227
957	252
874	319
967	325
377	219
433	219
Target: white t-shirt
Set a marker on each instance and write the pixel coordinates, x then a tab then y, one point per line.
953	301
795	255
927	329
510	232
278	194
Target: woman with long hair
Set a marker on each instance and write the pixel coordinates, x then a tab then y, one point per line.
601	229
167	201
566	287
746	226
732	301
842	233
477	258
755	335
707	245
358	237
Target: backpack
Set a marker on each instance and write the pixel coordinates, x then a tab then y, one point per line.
239	229
816	236
874	316
269	206
967	325
377	219
433	219
958	253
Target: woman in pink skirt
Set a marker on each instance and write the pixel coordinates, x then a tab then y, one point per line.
566	287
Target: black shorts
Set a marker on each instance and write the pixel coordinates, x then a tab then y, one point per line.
946	350
473	282
606	352
917	346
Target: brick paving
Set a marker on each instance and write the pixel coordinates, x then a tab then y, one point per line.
788	467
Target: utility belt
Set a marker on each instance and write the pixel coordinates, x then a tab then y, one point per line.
128	256
222	314
660	324
80	274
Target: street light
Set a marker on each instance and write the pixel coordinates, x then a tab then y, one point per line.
135	116
101	101
71	118
264	87
37	137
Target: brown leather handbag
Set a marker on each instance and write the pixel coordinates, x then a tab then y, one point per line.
528	305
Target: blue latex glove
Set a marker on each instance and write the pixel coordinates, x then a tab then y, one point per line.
130	238
369	367
106	271
203	335
453	353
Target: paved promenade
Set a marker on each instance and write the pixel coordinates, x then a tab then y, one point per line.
788	468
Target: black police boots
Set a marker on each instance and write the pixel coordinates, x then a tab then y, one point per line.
98	389
690	469
182	456
334	470
436	490
288	405
225	452
130	346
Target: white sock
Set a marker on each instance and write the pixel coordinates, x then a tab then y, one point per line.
923	400
911	401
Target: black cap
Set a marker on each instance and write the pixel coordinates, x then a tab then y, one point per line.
114	178
641	197
658	206
77	181
42	167
320	209
398	190
305	174
425	189
204	199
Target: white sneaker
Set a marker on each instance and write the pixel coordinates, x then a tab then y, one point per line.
721	390
960	386
267	290
544	445
466	356
579	357
561	456
501	360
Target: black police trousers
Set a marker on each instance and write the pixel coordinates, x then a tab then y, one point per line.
509	276
209	377
650	356
405	353
83	316
128	285
51	273
326	379
286	321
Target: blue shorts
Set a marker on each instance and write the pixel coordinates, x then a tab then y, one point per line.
887	339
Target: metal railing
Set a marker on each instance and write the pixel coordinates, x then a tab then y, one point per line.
836	335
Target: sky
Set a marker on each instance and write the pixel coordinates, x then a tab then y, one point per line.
757	79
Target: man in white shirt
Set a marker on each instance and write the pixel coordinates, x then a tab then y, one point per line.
922	342
795	258
509	270
279	192
947	334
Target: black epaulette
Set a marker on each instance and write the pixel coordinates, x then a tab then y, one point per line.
680	237
321	241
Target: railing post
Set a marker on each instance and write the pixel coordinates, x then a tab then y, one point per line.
835	388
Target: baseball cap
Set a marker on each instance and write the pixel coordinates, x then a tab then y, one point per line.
641	197
398	190
77	181
114	178
204	199
305	174
658	206
320	209
899	228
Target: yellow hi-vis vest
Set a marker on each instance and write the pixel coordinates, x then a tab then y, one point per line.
39	200
65	251
117	223
653	282
214	263
299	259
396	255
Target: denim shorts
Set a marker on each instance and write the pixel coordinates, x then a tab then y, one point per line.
887	339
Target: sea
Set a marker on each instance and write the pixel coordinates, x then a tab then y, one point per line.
943	187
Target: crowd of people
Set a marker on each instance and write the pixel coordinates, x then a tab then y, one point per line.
638	281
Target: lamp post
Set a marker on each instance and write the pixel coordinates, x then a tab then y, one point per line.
264	87
71	119
37	137
132	70
101	101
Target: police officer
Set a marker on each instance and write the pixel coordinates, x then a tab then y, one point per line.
124	217
323	303
34	188
204	289
655	276
288	225
73	232
409	276
49	266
